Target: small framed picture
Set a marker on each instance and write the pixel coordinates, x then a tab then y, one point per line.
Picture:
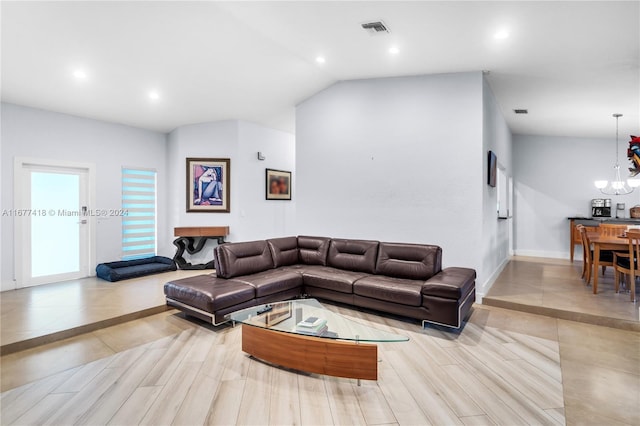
208	185
278	185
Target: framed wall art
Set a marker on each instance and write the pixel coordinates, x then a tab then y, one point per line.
208	185
278	185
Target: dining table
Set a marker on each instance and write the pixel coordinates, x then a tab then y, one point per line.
606	242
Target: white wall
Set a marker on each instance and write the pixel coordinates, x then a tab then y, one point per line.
396	159
495	232
206	140
251	216
260	218
28	132
554	180
2	281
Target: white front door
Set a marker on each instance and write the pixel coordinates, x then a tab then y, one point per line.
53	222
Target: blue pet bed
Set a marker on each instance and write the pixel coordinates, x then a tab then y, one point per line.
125	269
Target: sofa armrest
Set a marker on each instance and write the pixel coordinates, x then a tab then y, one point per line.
450	283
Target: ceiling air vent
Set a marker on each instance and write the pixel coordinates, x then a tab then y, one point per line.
521	111
376	27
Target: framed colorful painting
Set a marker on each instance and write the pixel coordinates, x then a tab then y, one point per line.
278	185
208	185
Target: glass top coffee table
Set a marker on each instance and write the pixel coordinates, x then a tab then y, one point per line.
304	335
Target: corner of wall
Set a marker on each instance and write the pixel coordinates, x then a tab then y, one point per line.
485	286
7	285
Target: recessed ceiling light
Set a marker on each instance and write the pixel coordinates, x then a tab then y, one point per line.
80	74
501	35
154	96
320	60
394	50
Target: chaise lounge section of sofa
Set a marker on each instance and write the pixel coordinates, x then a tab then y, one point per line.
397	278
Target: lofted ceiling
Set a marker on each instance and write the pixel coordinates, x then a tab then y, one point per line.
572	64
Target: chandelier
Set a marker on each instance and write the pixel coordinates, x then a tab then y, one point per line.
617	186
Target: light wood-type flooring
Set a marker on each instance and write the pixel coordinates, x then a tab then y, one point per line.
504	367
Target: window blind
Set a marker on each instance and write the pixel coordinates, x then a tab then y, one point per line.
139	218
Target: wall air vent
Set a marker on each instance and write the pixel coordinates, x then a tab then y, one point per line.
521	111
376	27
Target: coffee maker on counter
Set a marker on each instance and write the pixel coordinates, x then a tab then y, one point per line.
601	207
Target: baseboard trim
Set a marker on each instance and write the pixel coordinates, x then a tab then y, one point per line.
542	253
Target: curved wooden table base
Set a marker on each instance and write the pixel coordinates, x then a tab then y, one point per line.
312	354
192	239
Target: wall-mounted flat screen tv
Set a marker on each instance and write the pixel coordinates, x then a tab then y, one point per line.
492	169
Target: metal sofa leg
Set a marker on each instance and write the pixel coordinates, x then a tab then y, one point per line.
460	319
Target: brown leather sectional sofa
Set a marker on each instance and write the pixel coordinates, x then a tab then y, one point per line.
398	278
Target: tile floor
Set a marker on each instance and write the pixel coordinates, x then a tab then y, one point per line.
553	287
200	376
600	366
599	369
43	314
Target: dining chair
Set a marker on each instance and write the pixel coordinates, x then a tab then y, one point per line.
606	256
587	254
581	232
628	263
609	230
612	229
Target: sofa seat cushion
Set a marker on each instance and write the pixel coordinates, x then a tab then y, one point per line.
394	290
451	283
302	269
272	281
209	293
331	278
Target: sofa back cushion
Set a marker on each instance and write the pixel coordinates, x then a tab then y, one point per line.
284	251
411	261
353	255
313	250
235	259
